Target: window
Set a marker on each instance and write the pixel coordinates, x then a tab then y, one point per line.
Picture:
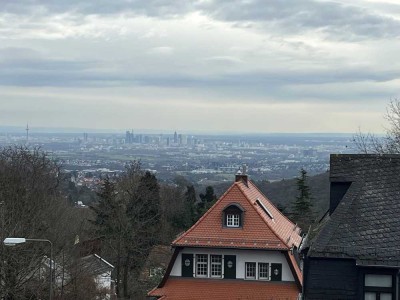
264	208
251	270
263	271
378	287
233	216
374	296
216	265
232	220
202	265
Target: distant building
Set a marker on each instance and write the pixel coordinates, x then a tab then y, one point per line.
139	139
243	247
309	152
175	138
183	139
128	137
100	270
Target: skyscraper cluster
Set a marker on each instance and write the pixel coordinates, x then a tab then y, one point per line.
174	140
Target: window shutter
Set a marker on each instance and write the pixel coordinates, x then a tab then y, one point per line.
276	272
187	265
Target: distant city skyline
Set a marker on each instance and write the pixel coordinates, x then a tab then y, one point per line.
240	66
156	131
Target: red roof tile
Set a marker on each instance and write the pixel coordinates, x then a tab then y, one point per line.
201	289
259	230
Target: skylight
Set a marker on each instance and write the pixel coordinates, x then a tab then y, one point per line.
264	208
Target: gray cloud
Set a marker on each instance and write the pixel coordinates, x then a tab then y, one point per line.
152	8
290	16
336	20
26	67
294	16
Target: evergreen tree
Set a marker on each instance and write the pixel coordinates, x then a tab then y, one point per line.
282	208
206	201
143	208
128	218
111	225
185	214
190	206
144	215
303	213
105	208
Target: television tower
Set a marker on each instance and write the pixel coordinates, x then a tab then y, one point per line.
27	132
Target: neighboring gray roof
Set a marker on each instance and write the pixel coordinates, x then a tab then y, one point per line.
95	265
366	223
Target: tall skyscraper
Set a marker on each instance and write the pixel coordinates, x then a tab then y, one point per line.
175	138
128	137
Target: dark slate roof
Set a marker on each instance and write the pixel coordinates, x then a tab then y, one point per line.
366	223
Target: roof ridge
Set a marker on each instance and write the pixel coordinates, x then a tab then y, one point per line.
252	205
204	215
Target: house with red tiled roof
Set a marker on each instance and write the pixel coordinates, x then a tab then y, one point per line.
243	247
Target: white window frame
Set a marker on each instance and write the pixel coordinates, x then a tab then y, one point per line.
217	264
233	220
247	265
200	264
268	271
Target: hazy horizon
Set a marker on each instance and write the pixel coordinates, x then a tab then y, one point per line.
72	130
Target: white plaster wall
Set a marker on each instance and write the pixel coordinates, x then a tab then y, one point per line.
103	280
242	256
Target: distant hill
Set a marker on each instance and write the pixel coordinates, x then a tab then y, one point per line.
283	193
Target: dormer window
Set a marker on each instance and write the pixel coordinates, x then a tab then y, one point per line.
232	220
233	216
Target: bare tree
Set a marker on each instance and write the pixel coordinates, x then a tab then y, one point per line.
28	192
390	143
31	206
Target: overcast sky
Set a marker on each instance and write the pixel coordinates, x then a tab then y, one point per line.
222	65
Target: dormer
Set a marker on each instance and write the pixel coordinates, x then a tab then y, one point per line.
338	189
233	215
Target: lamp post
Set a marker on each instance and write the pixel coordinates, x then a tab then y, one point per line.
14	241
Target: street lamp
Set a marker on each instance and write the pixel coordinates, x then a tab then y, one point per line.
11	241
